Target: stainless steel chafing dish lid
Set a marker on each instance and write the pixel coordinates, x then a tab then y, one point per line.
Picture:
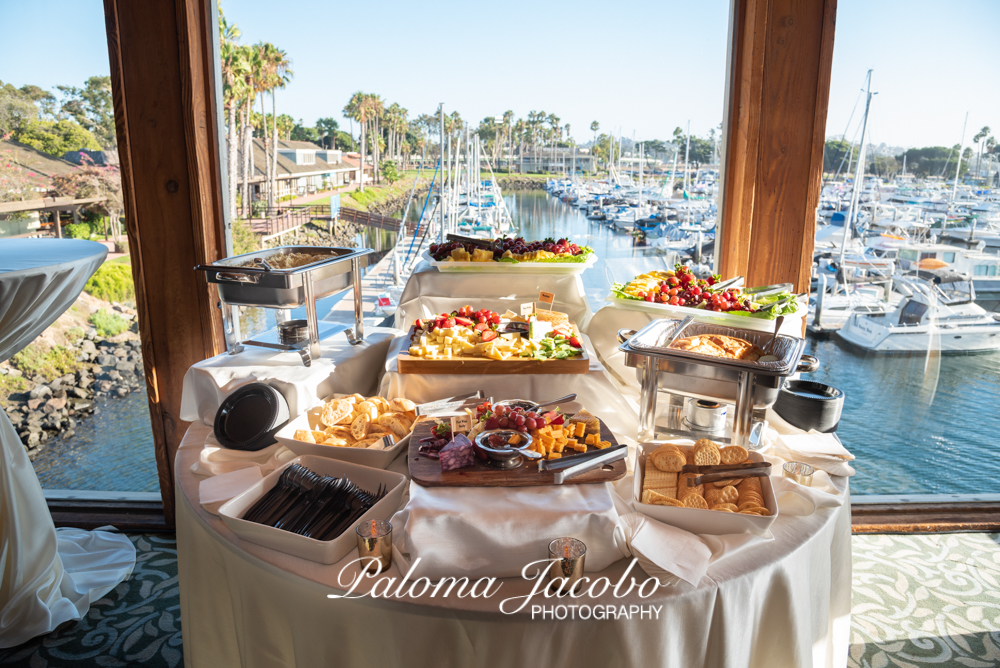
787	349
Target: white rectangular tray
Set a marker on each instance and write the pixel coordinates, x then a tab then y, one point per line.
696	520
562	268
324	552
378	459
792	321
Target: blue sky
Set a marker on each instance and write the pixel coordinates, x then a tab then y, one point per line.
635	67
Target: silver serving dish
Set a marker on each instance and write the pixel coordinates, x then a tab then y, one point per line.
748	385
508	457
254	279
266	287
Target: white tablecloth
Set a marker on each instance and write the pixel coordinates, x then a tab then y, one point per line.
429	292
208	383
49	577
784	602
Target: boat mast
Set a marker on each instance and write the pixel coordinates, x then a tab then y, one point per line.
687	153
441	182
958	167
859	176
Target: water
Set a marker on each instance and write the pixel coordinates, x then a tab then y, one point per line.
112	450
916	425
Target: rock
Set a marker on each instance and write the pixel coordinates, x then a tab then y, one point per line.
114	374
85	381
33	438
59	394
15	419
79	392
91	333
107	360
122	391
88	346
55	404
120	352
35	428
52	424
35	403
82	406
40	391
125	367
69	423
68	379
104	385
14	373
68	433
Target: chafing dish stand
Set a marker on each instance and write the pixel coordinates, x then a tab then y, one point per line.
250	280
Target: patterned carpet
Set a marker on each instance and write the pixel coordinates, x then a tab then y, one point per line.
926	600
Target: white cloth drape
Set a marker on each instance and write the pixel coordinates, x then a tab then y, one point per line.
49	577
429	292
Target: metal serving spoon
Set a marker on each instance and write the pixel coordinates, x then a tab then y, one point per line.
568	397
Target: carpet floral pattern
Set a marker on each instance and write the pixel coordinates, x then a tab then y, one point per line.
918	601
926	600
136	624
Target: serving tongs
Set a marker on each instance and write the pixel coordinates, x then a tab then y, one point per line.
726	472
475	241
764	290
573	465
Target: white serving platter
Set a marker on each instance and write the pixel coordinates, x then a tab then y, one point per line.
378	459
696	520
793	321
324	552
561	268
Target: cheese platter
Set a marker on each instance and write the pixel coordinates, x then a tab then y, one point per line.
467	341
505	255
510	445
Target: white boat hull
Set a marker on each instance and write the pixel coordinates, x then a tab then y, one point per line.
867	333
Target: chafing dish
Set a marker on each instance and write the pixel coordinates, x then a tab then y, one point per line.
251	280
748	385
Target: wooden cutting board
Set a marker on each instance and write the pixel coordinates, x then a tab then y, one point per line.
406	363
427	471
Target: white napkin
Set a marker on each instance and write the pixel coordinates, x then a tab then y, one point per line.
215	491
215	459
823	452
796	499
496	531
664	552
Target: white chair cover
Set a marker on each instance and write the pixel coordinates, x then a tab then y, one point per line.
48	577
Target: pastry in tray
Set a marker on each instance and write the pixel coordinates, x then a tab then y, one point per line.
717	345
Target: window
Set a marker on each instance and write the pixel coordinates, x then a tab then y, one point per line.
981	270
949	258
908	254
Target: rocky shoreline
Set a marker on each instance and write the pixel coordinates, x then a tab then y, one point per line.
50	409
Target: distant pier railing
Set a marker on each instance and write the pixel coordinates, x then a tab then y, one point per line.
272	222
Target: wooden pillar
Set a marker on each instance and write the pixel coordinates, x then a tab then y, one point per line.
162	76
55	223
781	53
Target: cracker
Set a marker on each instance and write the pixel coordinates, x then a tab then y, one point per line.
668	460
652	497
704	443
725	483
729	494
695	501
725	506
733	454
751	484
654	477
707	455
743	505
683	489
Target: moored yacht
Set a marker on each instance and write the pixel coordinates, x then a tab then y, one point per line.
937	315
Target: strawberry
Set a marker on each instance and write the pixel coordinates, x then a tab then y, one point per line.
464	322
419	324
488	335
482	327
450	322
575	342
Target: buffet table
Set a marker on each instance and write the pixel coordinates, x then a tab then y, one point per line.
784	602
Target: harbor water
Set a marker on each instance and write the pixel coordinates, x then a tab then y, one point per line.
917	425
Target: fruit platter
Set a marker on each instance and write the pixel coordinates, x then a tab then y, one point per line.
506	254
510	444
679	293
470	341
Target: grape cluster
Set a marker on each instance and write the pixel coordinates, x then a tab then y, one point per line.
685	289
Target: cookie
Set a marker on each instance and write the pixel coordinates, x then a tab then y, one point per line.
733	454
707	455
667	459
695	501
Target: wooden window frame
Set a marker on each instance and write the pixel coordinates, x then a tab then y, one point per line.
164	74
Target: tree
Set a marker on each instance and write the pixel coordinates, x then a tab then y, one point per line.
933	161
56	137
327	129
980	138
280	71
836	154
357	109
93	181
15	183
390	172
93	108
235	70
303	133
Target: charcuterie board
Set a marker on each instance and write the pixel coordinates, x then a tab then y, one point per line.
427	471
467	365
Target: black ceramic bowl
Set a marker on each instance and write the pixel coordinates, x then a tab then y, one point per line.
249	418
810	405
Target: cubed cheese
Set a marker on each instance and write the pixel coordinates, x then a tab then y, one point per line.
591	439
581	429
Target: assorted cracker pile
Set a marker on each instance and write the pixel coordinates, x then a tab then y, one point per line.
665	484
359	422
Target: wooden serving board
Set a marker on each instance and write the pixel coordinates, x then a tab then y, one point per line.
427	471
477	366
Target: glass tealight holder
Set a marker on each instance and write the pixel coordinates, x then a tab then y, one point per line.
375	540
799	472
567	557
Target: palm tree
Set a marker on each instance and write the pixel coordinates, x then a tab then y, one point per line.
253	71
234	70
357	109
281	74
979	139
